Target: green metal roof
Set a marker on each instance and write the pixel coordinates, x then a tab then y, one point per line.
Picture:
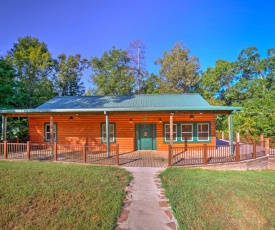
141	102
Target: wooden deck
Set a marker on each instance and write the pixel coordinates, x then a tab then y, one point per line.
144	158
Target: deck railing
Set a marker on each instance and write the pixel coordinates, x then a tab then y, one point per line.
70	153
17	150
215	154
40	151
1	150
187	156
99	154
272	147
95	154
247	151
244	138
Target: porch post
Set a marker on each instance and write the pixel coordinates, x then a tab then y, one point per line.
171	128
51	133
230	129
267	146
4	128
107	133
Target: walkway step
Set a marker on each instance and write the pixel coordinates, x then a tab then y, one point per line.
146	206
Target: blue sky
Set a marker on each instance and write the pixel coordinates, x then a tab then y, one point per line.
211	29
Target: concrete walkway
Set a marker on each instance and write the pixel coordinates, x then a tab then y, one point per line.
146	206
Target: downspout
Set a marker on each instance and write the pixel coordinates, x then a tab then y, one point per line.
4	128
52	133
171	128
231	136
107	134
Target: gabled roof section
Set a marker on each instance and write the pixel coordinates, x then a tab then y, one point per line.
160	101
124	103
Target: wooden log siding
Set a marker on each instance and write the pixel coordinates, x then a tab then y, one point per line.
87	129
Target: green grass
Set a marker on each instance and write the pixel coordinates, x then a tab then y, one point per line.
40	195
206	199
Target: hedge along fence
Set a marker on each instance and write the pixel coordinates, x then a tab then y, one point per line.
96	154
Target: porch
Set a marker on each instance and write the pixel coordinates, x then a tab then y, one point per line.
174	156
96	154
144	158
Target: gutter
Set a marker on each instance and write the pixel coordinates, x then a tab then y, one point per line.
207	108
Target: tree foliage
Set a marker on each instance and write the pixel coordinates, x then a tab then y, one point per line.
216	81
112	73
9	86
69	72
179	71
247	82
33	64
150	85
29	76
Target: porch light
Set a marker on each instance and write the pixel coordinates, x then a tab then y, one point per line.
191	117
71	118
160	121
130	120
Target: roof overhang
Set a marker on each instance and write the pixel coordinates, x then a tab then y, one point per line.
190	109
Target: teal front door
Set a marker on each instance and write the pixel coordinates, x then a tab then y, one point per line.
146	137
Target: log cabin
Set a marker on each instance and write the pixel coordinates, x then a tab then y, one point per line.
135	122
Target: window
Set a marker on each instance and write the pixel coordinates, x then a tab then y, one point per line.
187	132
47	131
167	132
192	131
111	132
203	132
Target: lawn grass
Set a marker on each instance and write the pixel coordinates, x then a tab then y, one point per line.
207	199
40	195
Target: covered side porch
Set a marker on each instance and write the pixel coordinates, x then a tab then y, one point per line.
121	124
175	156
131	130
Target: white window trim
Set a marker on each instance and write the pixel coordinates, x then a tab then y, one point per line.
191	124
169	132
208	132
103	131
54	132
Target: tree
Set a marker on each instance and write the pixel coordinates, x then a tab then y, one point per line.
10	97
150	85
247	68
268	64
69	72
136	53
216	81
34	67
9	86
248	64
258	114
179	71
247	82
89	92
112	73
